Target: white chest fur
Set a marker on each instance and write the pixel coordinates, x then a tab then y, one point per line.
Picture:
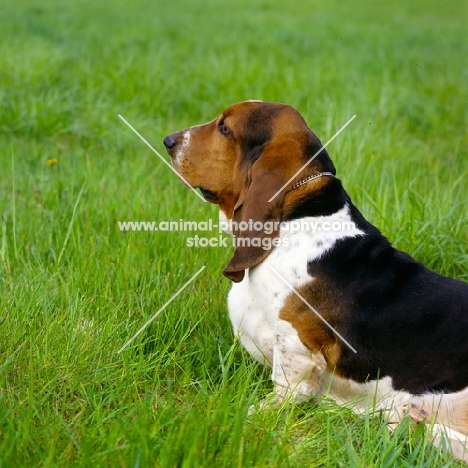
254	303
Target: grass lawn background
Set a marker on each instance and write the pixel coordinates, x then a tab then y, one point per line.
74	289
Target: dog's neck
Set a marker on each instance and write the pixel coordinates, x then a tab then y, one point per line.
322	198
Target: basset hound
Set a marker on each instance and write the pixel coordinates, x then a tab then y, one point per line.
321	296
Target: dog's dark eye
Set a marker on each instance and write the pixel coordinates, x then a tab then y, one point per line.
207	194
224	130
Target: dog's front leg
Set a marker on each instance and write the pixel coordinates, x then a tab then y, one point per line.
296	371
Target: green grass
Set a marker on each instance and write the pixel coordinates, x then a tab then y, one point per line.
74	289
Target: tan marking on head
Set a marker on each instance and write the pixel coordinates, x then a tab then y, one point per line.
241	159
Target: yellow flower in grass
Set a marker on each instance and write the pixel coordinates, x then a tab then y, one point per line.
52	162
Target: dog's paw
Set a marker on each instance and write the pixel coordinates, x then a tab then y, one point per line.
450	441
395	415
272	401
445	417
301	393
420	411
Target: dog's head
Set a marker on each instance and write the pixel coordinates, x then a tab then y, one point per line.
248	160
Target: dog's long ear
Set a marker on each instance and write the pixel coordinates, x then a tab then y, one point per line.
256	218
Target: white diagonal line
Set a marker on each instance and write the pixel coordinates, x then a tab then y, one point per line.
313	157
161	309
162	159
312	309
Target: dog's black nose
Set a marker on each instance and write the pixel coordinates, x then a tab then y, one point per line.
169	142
